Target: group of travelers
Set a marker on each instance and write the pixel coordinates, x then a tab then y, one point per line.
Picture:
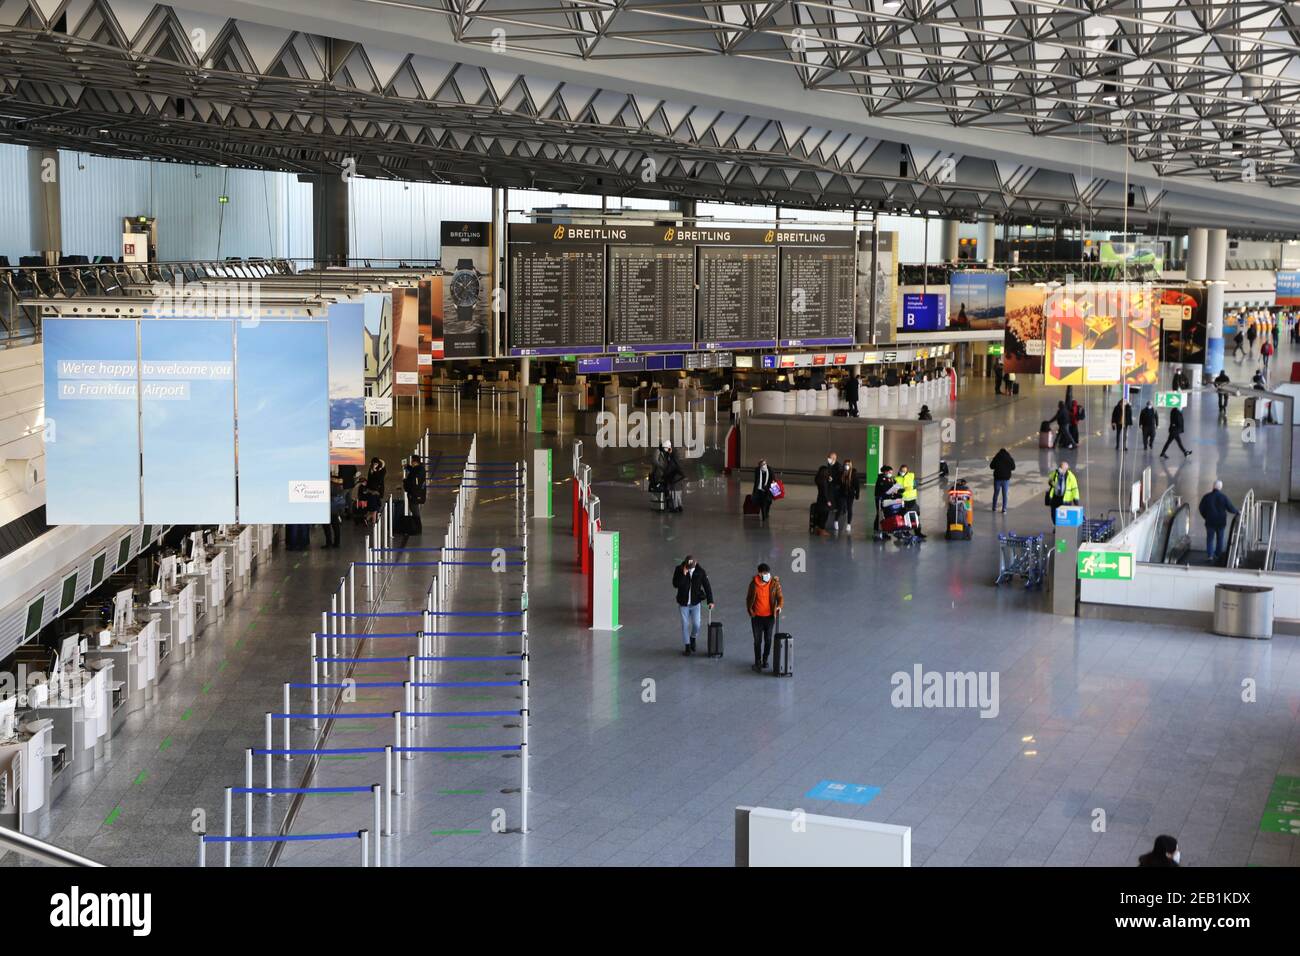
764	601
839	485
362	495
667	477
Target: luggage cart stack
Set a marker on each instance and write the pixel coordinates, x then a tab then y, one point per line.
1096	530
1023	556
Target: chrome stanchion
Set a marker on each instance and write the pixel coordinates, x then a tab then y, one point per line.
408	701
377	790
287	712
388	789
229	798
270	743
397	749
365	846
315	691
202	852
248	794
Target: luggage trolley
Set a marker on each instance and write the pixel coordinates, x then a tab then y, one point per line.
897	521
961	511
1022	555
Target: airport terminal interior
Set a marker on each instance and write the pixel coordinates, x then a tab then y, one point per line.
491	435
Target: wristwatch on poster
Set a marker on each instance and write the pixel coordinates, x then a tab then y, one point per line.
465	289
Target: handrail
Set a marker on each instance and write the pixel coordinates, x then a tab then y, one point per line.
36	849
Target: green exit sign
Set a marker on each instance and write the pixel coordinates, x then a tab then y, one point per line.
996	349
1105	565
1171	399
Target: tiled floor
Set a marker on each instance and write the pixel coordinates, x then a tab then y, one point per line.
1145	723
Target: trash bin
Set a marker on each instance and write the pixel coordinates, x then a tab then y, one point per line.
1243	610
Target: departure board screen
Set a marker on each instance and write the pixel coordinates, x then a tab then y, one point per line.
651	298
737	297
817	288
557	299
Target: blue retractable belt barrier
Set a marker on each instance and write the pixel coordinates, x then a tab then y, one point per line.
455	750
283	838
273	790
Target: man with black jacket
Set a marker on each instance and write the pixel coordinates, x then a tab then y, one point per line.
1215	508
1175	433
693	589
851	393
1003	465
1148	422
885	485
1121	419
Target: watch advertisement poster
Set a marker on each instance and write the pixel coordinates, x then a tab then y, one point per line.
466	286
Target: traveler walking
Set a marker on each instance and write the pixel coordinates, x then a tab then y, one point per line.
1219	381
827	475
1164	854
1252	333
1175	433
1121	420
886	487
1062	419
1076	416
1148	422
997	377
847	490
851	386
1062	489
762	493
693	590
414	484
372	492
667	475
907	479
1215	508
1239	345
338	505
763	602
1266	352
1181	382
1003	465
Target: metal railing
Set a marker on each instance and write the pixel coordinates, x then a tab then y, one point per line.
41	851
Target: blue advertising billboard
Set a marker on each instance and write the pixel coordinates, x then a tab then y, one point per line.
284	423
978	300
92	443
347	322
187	420
1288	288
924	312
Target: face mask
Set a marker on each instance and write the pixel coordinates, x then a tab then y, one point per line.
766	577
1178	855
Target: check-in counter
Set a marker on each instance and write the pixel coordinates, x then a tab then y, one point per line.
26	772
236	547
134	654
166	613
83	715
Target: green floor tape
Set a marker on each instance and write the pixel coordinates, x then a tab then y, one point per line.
167	742
140	778
363	729
112	817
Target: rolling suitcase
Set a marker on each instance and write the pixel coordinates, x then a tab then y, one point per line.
782	651
817	515
1046	437
714	637
750	508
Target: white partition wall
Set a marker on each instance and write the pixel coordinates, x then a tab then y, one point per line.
794	838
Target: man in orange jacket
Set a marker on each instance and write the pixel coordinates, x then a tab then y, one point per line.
764	603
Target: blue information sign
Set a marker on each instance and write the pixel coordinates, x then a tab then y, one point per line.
925	312
842	792
1069	516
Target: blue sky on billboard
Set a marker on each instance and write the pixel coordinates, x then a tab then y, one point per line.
92	452
283	422
187	421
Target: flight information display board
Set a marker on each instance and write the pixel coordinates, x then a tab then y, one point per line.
557	299
738	297
651	298
817	287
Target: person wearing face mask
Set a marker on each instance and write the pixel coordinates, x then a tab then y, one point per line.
847	490
907	479
666	473
1062	489
827	477
693	589
886	487
763	602
1165	853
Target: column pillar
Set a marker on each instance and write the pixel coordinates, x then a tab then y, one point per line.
46	210
1196	249
525	403
329	215
1216	266
988	241
948	240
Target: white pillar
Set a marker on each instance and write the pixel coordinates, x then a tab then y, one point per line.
1216	267
1196	243
948	242
988	241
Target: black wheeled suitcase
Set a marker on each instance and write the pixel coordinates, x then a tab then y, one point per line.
750	507
783	655
817	515
715	637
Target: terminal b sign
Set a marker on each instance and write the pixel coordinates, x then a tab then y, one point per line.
1096	565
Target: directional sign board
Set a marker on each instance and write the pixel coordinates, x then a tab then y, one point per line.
1097	565
1171	399
1069	516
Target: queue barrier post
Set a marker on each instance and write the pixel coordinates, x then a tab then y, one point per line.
270	743
315	691
287	710
365	846
388	790
248	791
377	790
229	798
397	749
